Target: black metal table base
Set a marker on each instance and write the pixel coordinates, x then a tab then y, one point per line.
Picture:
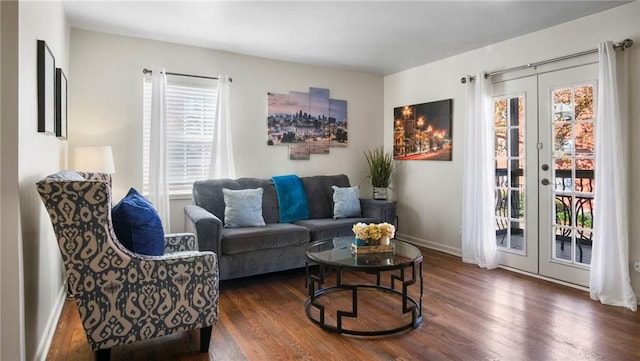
409	304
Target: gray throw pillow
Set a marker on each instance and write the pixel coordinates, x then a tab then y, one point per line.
346	202
243	208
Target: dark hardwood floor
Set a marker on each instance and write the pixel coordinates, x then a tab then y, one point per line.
469	314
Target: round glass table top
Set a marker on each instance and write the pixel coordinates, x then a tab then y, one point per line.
337	252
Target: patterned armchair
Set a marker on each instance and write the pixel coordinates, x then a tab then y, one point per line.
125	297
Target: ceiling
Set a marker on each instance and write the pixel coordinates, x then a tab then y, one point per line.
379	37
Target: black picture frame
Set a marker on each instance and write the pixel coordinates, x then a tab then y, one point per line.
46	89
61	104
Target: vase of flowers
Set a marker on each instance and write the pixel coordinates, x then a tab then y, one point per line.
373	234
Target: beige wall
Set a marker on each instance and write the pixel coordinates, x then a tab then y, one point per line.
106	106
11	294
429	192
31	267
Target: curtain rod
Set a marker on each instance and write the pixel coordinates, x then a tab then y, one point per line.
147	71
626	43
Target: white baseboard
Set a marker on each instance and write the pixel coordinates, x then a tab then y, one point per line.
50	327
431	245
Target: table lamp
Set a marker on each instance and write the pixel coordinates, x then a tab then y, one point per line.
98	159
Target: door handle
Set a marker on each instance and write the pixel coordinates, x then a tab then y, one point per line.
545	182
545	167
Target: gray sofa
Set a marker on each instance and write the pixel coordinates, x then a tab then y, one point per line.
276	246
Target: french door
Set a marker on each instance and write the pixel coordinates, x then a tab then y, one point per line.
545	161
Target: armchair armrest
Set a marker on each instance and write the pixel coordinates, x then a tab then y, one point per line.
178	242
190	277
206	226
383	211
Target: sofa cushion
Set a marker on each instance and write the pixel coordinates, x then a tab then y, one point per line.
326	229
346	202
243	208
320	193
137	225
277	235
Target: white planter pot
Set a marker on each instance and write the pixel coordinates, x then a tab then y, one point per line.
379	193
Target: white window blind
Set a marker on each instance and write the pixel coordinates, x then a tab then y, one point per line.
191	108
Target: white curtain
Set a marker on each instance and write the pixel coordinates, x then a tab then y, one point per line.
610	282
222	164
478	215
158	172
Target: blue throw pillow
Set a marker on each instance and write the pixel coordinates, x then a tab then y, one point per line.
346	202
138	225
292	199
243	208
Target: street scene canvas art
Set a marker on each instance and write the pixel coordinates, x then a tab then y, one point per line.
423	131
308	123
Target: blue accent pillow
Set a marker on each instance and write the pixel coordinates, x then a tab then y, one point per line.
243	208
292	199
138	225
346	202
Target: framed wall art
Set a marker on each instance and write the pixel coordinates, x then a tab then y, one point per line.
423	131
46	89
61	104
307	122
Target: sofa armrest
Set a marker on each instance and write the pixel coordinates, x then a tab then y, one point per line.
178	242
382	211
206	226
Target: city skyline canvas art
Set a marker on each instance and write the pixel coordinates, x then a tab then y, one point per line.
308	123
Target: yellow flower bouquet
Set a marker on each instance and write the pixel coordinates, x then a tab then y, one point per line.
373	234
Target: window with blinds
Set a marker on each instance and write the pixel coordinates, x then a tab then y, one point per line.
191	108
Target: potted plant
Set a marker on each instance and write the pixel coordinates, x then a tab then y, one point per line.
380	166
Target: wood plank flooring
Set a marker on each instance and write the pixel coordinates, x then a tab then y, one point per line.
469	314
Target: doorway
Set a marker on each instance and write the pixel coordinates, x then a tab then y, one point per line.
544	170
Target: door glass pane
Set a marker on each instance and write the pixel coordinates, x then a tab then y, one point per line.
510	160
574	185
584	139
517	235
501	142
563	175
584	102
563	249
563	139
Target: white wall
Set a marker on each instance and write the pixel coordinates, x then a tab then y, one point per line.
38	156
105	91
11	301
429	192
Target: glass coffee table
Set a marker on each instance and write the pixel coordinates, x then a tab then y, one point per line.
403	267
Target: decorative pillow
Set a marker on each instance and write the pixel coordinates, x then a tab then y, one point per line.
243	208
138	225
346	202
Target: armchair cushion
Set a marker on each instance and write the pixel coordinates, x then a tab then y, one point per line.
137	225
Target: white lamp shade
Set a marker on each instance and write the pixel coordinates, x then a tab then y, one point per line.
97	159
